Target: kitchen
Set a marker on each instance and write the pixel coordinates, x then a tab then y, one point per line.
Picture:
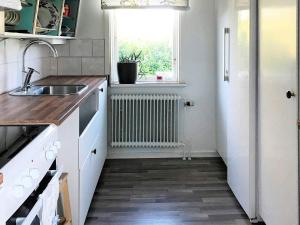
211	137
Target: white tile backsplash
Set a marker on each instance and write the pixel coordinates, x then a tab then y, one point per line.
77	57
10	51
63	50
10	77
81	47
93	66
98	48
69	66
80	57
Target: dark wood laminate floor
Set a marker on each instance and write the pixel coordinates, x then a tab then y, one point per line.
165	192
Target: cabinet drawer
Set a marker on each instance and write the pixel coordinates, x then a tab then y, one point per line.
88	137
88	178
102	96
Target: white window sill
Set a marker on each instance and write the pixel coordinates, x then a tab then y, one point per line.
150	85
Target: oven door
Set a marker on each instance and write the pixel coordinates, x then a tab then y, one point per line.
40	207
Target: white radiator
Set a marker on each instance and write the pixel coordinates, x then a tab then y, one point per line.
145	120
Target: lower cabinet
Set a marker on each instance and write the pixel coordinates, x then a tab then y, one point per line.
83	154
88	177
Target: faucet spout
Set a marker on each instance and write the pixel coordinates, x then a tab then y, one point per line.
40	42
31	71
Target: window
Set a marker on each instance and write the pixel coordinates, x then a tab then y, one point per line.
154	33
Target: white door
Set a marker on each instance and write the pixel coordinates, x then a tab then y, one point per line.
241	105
278	142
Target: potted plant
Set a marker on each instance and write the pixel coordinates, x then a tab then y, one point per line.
128	68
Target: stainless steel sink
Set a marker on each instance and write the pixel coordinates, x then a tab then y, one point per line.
51	90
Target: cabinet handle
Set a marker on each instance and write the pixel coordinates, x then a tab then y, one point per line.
226	54
94	151
101	89
1	178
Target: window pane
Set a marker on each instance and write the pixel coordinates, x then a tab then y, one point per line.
152	33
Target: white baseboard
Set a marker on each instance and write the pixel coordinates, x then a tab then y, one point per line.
150	153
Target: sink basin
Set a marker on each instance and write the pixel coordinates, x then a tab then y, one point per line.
52	90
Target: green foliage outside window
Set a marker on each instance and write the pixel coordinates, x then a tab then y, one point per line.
155	56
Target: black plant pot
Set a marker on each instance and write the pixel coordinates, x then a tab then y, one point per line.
127	73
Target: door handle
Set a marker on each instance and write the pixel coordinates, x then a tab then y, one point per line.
290	94
226	56
94	151
1	178
101	89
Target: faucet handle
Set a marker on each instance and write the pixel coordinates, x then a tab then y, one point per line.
31	70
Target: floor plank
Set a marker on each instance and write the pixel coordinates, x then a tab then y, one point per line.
165	192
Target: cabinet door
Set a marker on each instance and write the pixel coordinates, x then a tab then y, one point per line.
88	179
224	12
103	119
89	135
241	92
278	111
93	164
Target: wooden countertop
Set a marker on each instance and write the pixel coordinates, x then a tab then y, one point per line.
27	110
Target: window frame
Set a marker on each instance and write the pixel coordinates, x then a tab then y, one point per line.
114	56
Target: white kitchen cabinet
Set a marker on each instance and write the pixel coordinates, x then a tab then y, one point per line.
84	150
224	12
93	142
89	174
236	98
278	142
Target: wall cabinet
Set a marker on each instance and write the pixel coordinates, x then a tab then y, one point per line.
84	152
41	18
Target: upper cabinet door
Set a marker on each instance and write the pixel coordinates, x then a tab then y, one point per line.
11	4
278	88
241	103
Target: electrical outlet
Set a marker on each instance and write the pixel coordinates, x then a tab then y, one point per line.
189	104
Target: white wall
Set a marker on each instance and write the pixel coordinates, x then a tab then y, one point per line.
197	69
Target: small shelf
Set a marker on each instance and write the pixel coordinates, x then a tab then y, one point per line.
28	36
26	4
29	27
41	29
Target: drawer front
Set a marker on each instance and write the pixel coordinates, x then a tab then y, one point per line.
103	97
88	138
89	176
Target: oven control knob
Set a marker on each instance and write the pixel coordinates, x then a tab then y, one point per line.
34	173
50	155
53	149
19	191
27	181
57	144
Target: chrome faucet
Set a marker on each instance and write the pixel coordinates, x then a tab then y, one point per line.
28	74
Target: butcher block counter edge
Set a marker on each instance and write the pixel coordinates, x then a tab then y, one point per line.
40	110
